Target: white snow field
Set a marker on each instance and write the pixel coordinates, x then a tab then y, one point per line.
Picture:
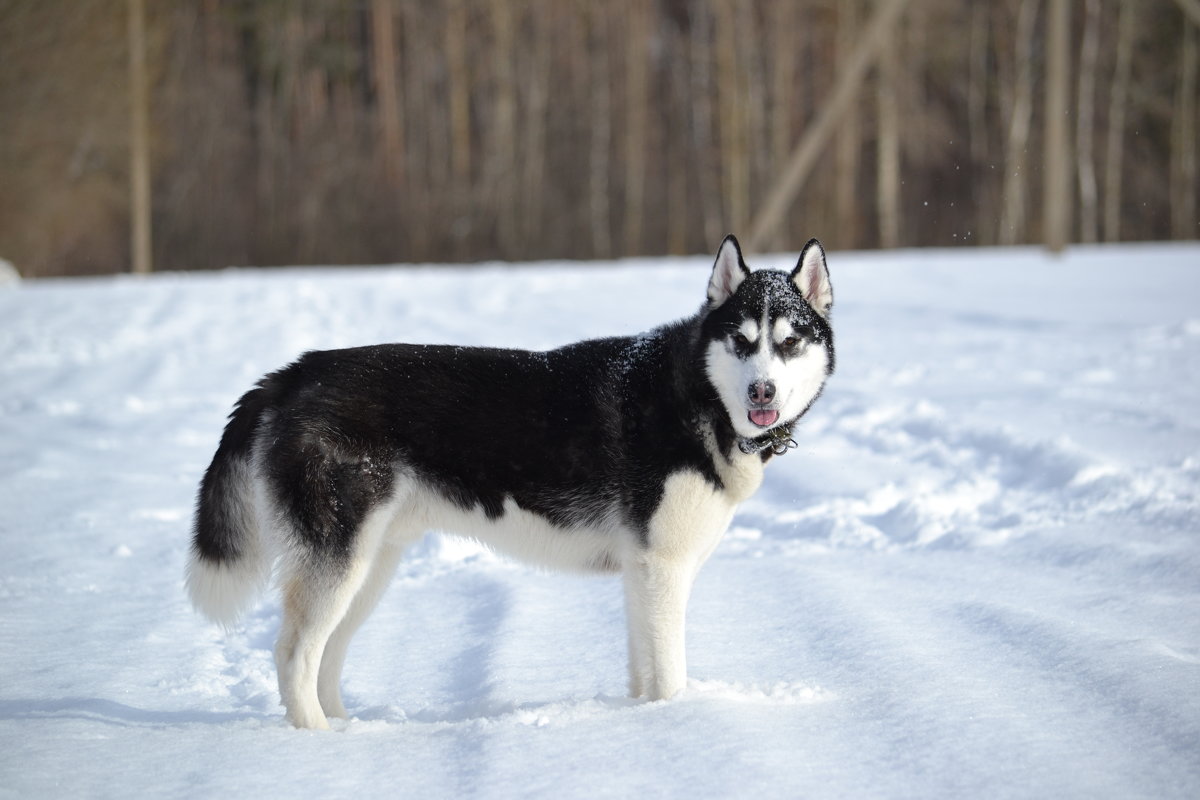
977	577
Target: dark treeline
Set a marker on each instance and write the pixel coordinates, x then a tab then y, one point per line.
361	131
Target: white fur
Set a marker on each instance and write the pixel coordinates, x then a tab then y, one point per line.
749	329
684	531
728	273
321	612
781	330
521	534
811	277
222	592
797	379
329	676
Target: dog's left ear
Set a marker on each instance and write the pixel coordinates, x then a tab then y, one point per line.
728	272
811	277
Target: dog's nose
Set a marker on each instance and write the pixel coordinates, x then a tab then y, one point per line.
762	392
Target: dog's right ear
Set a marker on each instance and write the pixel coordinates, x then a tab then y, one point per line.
728	272
811	277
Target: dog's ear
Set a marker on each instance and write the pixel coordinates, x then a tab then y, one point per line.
728	272
811	277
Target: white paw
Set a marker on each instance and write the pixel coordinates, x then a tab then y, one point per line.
309	719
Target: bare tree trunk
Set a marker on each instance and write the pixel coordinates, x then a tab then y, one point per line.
984	193
459	202
1183	143
599	156
1012	224
785	36
1056	186
1183	151
383	47
636	92
1085	108
918	129
504	129
1118	101
418	220
846	155
537	83
302	210
977	74
387	91
315	90
731	117
707	159
573	221
139	140
752	78
436	121
676	149
460	93
888	147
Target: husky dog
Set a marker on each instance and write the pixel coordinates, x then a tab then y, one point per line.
626	454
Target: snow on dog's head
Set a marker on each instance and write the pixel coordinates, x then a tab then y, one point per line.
769	344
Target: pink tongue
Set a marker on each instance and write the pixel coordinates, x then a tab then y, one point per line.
764	417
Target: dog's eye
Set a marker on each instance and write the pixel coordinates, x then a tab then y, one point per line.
740	340
790	342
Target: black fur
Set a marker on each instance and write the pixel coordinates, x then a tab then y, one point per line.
568	434
776	292
217	534
574	434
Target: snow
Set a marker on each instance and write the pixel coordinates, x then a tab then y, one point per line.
978	576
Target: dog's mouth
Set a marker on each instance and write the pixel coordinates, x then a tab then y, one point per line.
764	417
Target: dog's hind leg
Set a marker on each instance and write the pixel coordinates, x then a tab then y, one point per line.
378	576
319	592
314	602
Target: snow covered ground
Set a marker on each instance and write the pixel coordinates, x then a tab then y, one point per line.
978	576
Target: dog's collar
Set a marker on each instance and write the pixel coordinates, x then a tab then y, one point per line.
777	440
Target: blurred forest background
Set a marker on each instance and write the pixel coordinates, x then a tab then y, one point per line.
366	131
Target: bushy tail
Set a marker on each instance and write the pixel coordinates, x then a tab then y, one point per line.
229	564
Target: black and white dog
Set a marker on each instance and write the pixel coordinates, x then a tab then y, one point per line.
626	454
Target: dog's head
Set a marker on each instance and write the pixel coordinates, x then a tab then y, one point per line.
769	346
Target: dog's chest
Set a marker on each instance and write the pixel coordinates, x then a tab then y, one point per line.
694	514
742	475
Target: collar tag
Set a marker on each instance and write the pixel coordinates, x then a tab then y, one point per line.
778	441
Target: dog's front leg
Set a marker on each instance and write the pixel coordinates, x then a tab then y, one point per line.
639	665
656	595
